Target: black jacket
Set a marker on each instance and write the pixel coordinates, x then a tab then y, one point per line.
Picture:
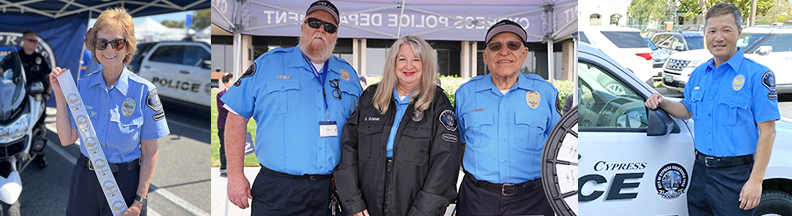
426	160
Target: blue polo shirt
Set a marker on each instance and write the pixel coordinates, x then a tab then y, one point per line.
727	102
281	93
505	134
117	133
401	108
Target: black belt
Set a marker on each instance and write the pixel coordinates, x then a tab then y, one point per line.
715	162
311	177
113	166
507	189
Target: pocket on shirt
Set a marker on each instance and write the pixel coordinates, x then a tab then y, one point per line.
369	141
286	95
734	108
414	144
695	100
479	128
348	100
529	130
125	129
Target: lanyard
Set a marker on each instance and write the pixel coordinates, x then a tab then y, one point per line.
321	82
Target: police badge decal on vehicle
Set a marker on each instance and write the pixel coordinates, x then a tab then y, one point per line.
671	181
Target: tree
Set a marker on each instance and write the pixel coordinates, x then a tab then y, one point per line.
646	11
173	23
201	19
779	13
695	8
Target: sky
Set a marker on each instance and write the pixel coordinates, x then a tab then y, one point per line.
178	16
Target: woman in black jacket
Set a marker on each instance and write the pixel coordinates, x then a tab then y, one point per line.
400	149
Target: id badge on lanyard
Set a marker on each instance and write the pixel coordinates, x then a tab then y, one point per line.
326	128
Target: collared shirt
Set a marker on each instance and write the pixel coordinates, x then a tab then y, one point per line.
119	134
280	92
401	107
505	134
727	102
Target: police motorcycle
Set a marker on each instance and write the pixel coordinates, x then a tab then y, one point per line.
21	138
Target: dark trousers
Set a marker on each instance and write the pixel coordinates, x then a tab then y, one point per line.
476	201
86	197
277	194
716	191
221	135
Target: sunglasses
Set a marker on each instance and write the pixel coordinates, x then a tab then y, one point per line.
315	23
512	45
32	40
118	44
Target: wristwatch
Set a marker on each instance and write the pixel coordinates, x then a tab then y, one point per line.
141	199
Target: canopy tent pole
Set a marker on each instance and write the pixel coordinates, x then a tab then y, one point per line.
575	72
398	32
237	43
549	39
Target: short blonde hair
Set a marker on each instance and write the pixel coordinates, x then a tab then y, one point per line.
426	88
113	19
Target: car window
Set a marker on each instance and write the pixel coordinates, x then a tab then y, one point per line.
583	38
662	40
651	45
780	42
607	102
677	42
625	39
695	42
168	54
194	56
748	39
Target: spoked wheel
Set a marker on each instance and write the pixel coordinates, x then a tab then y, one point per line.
10	209
560	165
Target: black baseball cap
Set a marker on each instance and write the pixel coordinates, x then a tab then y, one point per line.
506	26
325	6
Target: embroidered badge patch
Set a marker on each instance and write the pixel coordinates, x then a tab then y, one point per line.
532	98
448	120
768	80
449	137
344	75
128	107
738	82
772	95
153	100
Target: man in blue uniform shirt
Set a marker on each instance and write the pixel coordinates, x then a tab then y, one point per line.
734	103
300	98
504	119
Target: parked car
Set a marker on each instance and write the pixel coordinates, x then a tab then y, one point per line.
625	45
768	45
180	71
679	41
659	56
637	161
142	51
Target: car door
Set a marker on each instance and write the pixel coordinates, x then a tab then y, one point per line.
194	75
161	68
627	167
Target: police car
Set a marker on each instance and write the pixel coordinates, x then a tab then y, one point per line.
768	45
637	161
180	70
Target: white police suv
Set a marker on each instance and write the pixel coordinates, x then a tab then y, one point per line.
180	70
637	161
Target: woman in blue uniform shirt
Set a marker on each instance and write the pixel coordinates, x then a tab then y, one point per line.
126	114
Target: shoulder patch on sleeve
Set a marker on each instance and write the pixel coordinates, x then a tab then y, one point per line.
153	101
768	80
249	72
772	95
448	120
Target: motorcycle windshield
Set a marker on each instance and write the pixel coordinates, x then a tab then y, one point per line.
12	82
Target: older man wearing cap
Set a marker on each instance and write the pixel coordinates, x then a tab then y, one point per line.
300	98
504	119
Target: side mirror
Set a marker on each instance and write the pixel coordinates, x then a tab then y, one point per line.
660	123
679	48
206	64
764	50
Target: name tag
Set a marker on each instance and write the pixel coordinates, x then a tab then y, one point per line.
328	129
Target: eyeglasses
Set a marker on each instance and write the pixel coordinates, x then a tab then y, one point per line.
512	45
101	43
336	91
31	40
315	23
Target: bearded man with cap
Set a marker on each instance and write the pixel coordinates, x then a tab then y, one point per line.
300	97
504	119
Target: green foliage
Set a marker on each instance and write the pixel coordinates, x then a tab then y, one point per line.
201	18
173	23
646	11
693	9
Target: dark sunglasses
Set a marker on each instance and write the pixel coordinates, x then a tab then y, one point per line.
511	45
118	44
32	40
315	23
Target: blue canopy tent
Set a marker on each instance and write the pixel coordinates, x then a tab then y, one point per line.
61	25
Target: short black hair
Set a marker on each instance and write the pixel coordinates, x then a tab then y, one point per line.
724	8
27	32
227	77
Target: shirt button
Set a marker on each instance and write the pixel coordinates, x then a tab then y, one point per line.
503	140
504	100
503	120
283	87
709	114
317	91
503	161
321	147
